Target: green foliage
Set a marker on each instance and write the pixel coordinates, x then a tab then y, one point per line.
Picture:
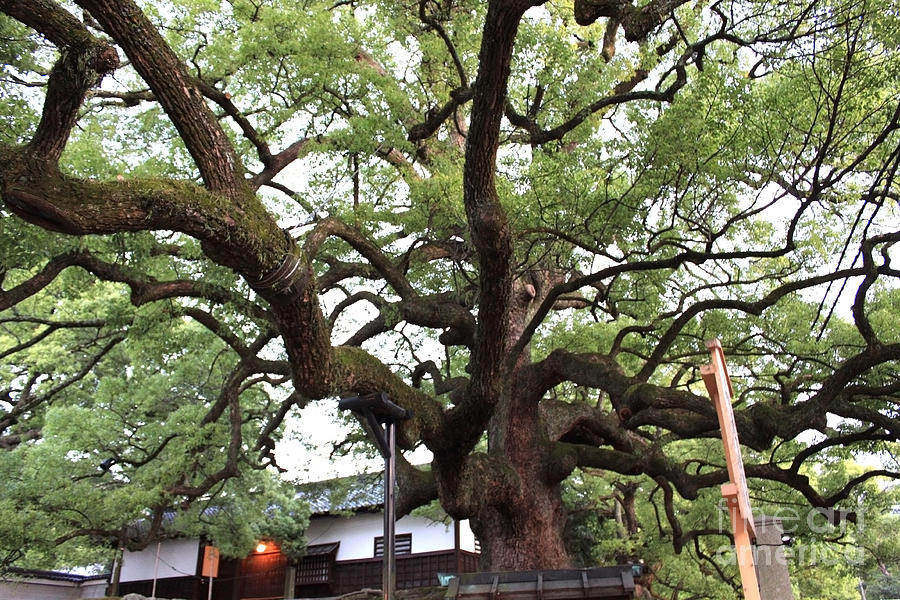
18	56
153	377
825	560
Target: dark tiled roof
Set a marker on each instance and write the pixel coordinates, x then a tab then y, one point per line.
354	494
53	575
141	527
322	549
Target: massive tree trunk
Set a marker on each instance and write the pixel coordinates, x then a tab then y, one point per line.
522	526
526	533
521	520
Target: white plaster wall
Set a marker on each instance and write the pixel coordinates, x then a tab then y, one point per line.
357	534
44	590
48	589
427	535
94	589
177	558
466	537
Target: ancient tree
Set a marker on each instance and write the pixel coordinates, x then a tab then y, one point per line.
519	218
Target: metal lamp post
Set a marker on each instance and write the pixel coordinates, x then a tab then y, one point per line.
380	416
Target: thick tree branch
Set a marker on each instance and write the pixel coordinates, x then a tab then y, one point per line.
50	20
83	62
637	22
488	226
176	91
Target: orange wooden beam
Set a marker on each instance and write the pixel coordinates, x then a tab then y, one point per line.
718	384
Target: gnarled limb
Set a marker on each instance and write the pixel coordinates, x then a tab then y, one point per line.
176	92
83	62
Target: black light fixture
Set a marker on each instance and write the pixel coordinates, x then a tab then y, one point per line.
379	415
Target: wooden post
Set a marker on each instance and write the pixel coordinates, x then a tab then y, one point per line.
718	384
375	410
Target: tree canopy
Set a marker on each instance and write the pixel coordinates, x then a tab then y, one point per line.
519	218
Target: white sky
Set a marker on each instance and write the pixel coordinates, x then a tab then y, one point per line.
306	449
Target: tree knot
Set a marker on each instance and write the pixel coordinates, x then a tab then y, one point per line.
106	60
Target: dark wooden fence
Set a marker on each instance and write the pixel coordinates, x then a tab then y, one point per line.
262	576
415	570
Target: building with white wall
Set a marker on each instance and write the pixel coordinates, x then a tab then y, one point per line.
25	584
344	549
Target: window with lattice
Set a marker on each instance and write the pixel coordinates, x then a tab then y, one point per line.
318	564
402	544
